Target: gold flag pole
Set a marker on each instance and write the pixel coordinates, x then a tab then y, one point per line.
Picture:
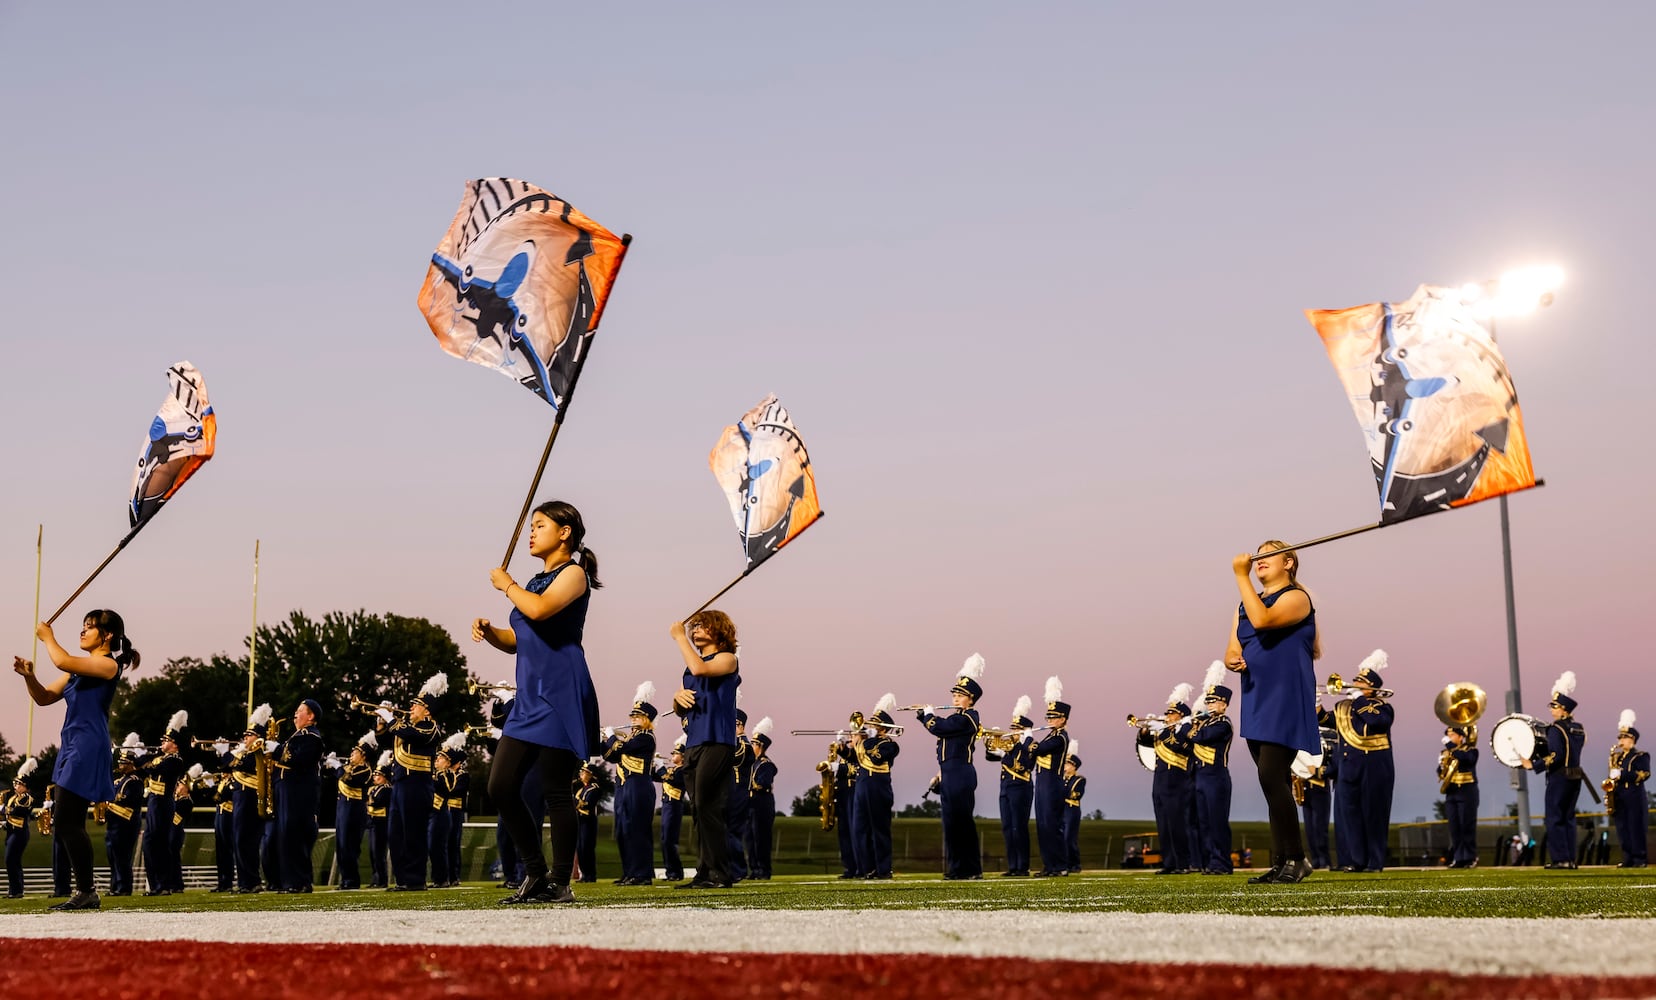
253	637
34	650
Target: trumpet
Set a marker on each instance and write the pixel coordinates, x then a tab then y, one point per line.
370	708
475	686
488	732
1337	686
202	743
1149	721
627	730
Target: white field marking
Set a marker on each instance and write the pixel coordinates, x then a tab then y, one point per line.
1495	946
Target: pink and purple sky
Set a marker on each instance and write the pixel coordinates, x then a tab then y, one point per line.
1029	279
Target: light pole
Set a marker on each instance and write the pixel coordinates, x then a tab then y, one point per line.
1513	294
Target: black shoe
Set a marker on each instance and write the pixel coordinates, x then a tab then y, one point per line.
703	883
674	877
1267	877
14	895
87	900
847	875
531	887
300	889
554	893
623	880
249	891
407	888
1294	871
168	892
1353	869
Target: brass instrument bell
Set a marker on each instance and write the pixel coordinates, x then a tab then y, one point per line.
1460	704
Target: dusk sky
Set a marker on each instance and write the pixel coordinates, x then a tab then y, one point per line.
1030	279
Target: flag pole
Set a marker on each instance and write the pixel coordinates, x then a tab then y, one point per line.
34	650
88	582
745	573
253	637
1365	528
557	421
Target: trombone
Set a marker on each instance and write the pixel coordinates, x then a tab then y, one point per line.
1339	687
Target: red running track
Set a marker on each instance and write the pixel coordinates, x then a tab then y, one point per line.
37	969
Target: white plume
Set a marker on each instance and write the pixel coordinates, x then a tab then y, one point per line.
1054	690
1627	719
1179	695
887	702
763	728
645	692
1565	684
435	686
27	768
385	759
456	741
194	773
1021	709
369	740
973	667
132	740
1376	661
260	716
179	721
738	696
1075	748
678	744
1215	674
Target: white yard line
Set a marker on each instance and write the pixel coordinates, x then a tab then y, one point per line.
1469	945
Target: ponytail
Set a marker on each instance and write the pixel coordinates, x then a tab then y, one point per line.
589	563
566	516
120	647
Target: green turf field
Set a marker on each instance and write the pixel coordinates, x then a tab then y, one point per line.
1589	893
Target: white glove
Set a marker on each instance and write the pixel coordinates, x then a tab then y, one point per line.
607	732
1615	773
271	745
927	710
386	715
139	752
1353	695
331	761
221	747
1446	741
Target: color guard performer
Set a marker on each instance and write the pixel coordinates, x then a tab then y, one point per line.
841	773
1075	786
123	818
875	751
378	799
161	773
586	826
1560	759
706	704
957	737
415	739
632	751
1017	791
1049	756
1172	785
1315	796
17	809
351	810
1458	781
1625	797
671	776
1210	738
1367	773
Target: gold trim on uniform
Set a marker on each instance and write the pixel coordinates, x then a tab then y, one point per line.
1348	732
1165	754
411	761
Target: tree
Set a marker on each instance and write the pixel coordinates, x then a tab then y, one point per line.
927	807
8	758
37	782
808	804
1440	809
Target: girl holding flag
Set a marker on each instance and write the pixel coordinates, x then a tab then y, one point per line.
86	756
553	723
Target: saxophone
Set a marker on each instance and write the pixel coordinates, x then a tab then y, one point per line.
100	813
826	790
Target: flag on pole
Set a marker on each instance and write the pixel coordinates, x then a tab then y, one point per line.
761	464
519	282
1434	399
179	442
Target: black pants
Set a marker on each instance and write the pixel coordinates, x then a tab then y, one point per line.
1276	780
710	765
513	760
69	830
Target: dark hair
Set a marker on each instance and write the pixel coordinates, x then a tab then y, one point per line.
719	627
120	647
564	515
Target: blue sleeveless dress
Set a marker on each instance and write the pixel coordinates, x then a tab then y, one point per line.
86	759
712	719
556	705
1279	701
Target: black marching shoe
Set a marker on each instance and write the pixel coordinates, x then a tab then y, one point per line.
1297	870
85	900
533	886
1268	877
554	893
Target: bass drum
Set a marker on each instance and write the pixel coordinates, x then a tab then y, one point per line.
1513	739
1146	757
1305	764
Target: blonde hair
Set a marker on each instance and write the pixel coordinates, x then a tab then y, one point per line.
1291	560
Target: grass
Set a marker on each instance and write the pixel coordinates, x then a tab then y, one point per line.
1602	893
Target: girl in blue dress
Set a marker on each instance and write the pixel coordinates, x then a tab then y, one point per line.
85	754
1272	646
553	723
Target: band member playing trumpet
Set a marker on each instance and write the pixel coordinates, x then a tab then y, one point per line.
1629	770
761	803
875	751
1560	759
1363	720
1210	738
1049	756
631	752
1458	780
1015	752
415	740
298	763
1173	784
671	777
957	736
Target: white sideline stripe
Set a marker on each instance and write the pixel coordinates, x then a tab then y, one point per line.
1497	946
